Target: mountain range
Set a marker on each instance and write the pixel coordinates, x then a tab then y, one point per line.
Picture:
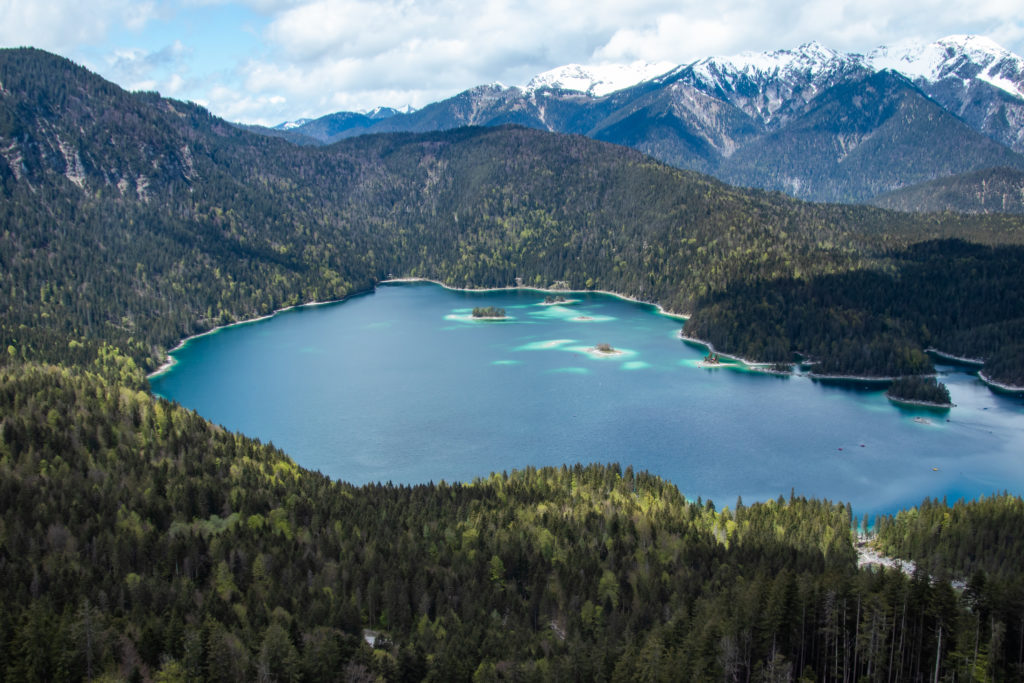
813	122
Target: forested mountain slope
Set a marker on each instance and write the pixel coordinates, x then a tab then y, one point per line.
134	221
137	541
994	190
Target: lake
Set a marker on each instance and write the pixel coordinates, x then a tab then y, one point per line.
403	385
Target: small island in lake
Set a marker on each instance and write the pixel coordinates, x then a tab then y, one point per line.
710	361
489	313
926	391
557	300
604	350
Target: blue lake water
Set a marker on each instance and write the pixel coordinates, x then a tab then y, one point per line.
403	385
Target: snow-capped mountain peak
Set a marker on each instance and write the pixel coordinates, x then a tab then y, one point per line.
807	61
962	57
770	86
596	80
728	100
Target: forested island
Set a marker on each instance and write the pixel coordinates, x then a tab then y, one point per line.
604	349
489	313
140	542
920	390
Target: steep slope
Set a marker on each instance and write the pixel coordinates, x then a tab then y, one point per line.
49	120
698	116
963	58
485	105
596	81
132	219
971	77
983	106
771	87
995	190
680	125
863	137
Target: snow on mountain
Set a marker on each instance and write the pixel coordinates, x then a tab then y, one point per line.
770	86
963	57
387	112
597	81
773	86
808	60
288	125
375	114
721	101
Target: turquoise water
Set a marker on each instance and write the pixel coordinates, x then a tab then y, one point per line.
403	385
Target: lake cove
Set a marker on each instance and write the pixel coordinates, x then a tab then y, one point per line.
403	385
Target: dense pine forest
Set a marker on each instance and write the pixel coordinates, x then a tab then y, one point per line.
140	542
963	298
995	190
916	389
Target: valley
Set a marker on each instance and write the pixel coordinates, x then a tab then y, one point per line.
140	540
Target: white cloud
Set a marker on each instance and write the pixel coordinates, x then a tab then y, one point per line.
674	37
263	6
63	25
700	30
138	14
138	66
236	105
331	51
319	56
173	86
326	51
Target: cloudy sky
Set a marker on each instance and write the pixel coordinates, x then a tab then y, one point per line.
267	61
